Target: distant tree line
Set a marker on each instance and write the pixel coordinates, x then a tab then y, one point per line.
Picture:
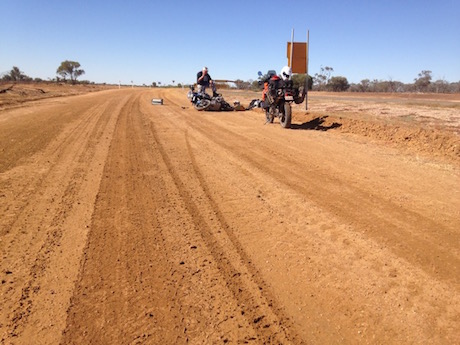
324	81
67	71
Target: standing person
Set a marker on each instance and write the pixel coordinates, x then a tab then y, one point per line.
204	80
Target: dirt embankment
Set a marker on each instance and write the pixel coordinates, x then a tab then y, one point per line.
426	124
18	94
132	223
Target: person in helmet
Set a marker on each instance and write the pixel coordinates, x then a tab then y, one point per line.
286	73
273	82
204	80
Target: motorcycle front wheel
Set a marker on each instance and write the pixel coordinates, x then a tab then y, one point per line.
202	104
285	119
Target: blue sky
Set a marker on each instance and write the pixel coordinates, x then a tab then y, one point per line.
161	41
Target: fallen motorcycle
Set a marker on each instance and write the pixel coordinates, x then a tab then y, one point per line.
203	101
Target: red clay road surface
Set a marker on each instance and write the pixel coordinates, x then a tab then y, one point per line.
123	222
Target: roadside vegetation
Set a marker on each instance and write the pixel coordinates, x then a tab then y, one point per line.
67	72
324	80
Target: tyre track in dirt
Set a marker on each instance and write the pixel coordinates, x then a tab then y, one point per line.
236	269
439	257
36	181
161	224
266	298
22	136
119	264
57	200
400	254
235	300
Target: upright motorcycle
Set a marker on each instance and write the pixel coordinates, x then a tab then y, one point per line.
278	94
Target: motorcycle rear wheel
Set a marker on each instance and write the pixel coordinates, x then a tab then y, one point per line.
202	104
285	119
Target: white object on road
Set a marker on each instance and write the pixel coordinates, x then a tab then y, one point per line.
157	101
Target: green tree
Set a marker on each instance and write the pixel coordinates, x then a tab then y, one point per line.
242	85
363	86
322	79
299	80
256	85
338	84
440	86
70	69
423	81
15	75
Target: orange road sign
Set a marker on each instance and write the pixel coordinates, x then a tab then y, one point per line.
299	57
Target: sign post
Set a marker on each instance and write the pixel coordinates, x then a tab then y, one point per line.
297	53
306	77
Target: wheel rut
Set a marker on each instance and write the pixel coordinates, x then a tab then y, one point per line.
233	264
371	210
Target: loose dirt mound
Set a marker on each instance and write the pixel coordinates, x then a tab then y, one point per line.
440	143
426	124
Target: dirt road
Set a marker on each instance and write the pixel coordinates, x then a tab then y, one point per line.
123	222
